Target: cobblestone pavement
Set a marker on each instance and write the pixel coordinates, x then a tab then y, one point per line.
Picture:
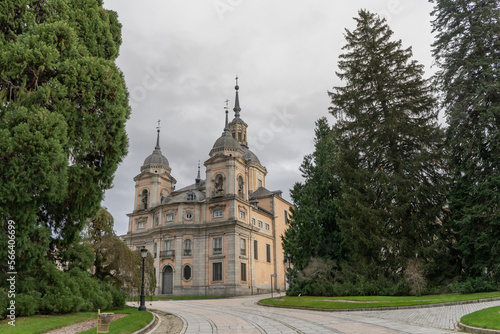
243	316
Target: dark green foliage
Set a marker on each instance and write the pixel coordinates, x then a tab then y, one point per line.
474	285
390	158
467	49
313	230
57	291
63	108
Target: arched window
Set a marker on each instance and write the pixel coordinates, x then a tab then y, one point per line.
188	247
240	186
144	199
219	185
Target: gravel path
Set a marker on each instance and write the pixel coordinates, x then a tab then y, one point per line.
81	326
170	324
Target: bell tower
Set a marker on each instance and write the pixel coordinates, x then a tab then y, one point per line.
154	184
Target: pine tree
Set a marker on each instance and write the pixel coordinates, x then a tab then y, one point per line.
313	230
467	49
390	156
63	108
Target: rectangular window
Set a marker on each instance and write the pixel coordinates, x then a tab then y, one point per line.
243	247
242	215
218	214
217	245
255	250
168	249
260	223
267	227
217	272
286	217
268	253
141	225
243	272
253	221
170	217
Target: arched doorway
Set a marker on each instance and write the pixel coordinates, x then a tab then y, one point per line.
167	286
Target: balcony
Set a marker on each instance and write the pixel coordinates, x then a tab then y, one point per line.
167	254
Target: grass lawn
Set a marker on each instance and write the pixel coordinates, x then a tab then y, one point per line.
338	303
42	323
487	318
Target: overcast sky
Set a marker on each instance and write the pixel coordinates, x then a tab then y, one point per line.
180	59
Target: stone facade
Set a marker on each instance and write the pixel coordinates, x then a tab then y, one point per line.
217	236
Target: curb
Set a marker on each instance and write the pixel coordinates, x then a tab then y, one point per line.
148	326
471	329
387	308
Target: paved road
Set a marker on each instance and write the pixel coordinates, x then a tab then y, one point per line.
241	315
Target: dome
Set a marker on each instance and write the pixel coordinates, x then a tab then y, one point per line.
156	158
249	155
226	141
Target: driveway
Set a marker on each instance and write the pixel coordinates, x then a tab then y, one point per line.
242	315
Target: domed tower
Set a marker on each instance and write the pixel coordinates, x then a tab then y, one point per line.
224	163
154	184
256	176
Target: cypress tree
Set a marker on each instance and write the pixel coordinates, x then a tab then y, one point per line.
64	105
390	155
467	49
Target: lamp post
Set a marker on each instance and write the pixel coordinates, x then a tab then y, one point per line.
142	307
289	259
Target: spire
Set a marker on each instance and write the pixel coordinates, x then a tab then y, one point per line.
226	126
157	148
237	108
198	179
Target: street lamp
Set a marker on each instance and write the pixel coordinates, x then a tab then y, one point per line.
142	307
289	259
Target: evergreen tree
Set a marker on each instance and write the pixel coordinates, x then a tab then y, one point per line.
63	108
313	230
467	49
390	156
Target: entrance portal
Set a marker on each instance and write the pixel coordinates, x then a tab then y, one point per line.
167	281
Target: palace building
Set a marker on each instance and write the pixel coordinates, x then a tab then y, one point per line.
220	235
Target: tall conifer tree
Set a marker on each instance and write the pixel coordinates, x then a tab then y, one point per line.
313	230
467	48
390	153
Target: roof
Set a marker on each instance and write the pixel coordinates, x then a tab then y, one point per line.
249	155
226	141
261	192
191	187
156	158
